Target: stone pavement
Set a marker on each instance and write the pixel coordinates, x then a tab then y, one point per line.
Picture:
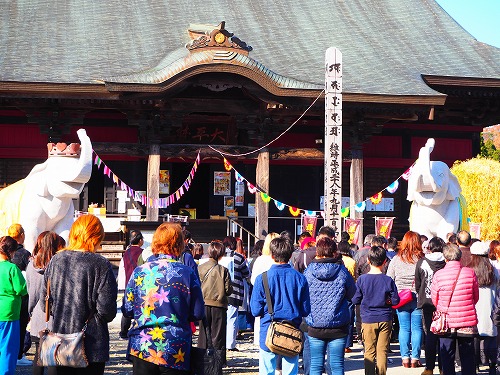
246	361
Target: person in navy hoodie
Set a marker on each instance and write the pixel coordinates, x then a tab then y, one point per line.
331	287
290	295
376	293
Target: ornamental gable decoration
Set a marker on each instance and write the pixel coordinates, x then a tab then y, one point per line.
214	37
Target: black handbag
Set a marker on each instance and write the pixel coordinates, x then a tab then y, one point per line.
207	361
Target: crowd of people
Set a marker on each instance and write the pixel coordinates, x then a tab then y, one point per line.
335	292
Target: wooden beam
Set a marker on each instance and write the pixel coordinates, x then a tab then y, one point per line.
153	181
261	207
189	151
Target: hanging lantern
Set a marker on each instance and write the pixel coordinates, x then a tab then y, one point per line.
265	197
393	187
280	206
344	212
294	211
377	198
227	165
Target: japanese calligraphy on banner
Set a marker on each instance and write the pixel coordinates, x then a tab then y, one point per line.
352	227
383	226
333	137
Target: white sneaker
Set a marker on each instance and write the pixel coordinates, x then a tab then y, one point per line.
24	361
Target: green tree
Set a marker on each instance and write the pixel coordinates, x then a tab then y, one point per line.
488	149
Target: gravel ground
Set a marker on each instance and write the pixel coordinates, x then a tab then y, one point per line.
243	362
246	361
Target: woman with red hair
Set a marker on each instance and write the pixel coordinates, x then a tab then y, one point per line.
83	292
402	271
163	296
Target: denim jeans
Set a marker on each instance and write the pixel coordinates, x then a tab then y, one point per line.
306	355
350	335
267	364
410	330
319	348
232	327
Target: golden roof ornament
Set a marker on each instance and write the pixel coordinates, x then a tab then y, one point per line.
214	37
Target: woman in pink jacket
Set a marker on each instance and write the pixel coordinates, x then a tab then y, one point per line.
462	318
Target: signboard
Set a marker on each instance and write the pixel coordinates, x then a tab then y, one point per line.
333	138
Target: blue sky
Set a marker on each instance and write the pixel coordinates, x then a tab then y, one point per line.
481	18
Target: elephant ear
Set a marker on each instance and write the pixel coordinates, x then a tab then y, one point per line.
37	180
454	188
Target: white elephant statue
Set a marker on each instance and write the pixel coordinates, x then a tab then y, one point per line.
438	208
44	199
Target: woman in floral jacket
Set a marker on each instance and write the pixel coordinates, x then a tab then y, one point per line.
163	296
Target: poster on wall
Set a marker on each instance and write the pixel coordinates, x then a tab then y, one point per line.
239	194
228	203
251	209
222	183
164	187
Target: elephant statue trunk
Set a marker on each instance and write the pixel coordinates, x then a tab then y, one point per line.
435	194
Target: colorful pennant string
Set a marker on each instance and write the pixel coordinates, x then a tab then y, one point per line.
147	201
393	187
295	211
266	198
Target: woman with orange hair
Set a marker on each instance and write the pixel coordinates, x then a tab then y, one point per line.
83	290
402	271
163	296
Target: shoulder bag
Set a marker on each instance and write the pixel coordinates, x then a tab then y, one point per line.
58	349
282	337
207	361
439	325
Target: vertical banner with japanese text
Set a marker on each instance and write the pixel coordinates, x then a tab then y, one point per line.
333	138
383	226
352	227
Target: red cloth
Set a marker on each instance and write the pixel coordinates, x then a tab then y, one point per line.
462	310
130	257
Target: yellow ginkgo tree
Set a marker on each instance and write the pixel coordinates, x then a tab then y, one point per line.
480	182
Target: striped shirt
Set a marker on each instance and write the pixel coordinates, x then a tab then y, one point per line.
238	269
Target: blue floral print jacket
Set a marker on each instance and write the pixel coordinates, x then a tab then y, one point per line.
163	296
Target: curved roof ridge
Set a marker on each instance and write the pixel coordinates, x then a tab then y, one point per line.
179	61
